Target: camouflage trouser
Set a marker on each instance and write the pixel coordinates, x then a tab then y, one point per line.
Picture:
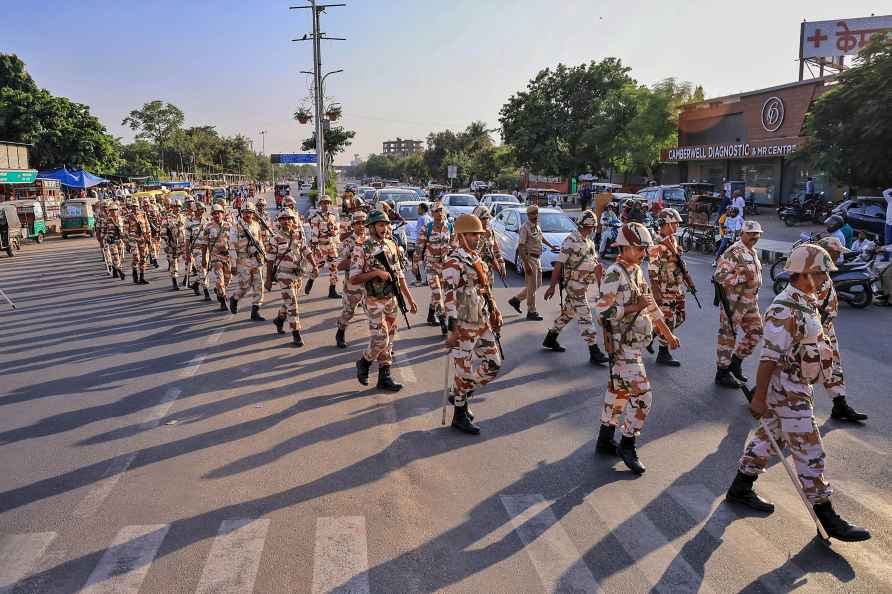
576	306
382	330
115	254
790	418
199	257
289	309
746	319
249	277
834	381
138	254
351	296
434	270
221	275
155	246
476	360
629	393
673	307
533	281
326	253
174	257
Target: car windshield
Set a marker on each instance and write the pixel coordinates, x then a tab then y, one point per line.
674	195
75	209
553	222
503	198
396	196
462	201
409	212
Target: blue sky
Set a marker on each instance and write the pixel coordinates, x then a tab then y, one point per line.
410	66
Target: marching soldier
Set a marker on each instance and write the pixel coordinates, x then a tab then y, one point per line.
287	258
136	227
194	218
153	216
739	276
488	248
246	260
174	231
216	237
113	237
262	212
796	354
667	280
474	321
529	248
629	315
828	308
432	246
578	269
324	241
200	253
353	293
367	269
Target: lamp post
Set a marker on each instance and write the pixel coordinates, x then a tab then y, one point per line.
263	142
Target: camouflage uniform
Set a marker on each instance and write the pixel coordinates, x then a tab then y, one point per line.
324	239
136	227
579	259
476	360
290	258
380	298
200	252
795	340
491	255
174	232
435	241
739	272
353	294
153	216
666	276
828	308
216	237
194	222
113	238
245	258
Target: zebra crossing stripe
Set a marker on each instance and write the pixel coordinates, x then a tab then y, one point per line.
19	554
656	558
554	556
90	504
124	566
235	557
341	563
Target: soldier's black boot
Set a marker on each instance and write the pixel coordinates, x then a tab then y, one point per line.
444	325
385	382
135	277
724	377
664	357
741	491
207	294
605	443
142	278
195	288
154	261
595	356
255	314
551	342
468	410
515	303
309	287
533	315
222	299
333	293
843	412
121	274
432	316
836	527
233	305
462	422
627	452
296	340
362	371
175	286
279	321
340	338
734	368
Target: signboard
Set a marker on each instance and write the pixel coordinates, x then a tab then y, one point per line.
293	158
712	152
17	176
841	37
452	171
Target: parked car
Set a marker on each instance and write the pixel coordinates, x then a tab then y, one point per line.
667	196
555	224
408	210
497	207
489	199
864	213
479	186
397	195
459	204
422	195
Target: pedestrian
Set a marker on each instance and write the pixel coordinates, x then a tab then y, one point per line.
585	198
795	355
324	241
610	223
739	203
667	281
730	225
366	269
136	228
420	225
576	269
488	246
724	202
199	253
353	294
247	259
739	276
529	249
629	315
433	244
809	188
174	232
288	257
474	322
113	237
216	236
834	225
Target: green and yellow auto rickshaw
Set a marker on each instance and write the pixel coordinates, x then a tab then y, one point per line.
77	217
33	219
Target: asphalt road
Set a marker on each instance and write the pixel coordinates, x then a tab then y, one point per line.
154	444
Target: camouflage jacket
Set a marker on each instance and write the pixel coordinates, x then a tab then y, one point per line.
620	288
739	271
464	288
346	253
489	251
662	266
240	247
136	226
579	258
364	260
289	256
216	237
795	339
828	302
174	232
112	229
323	227
436	244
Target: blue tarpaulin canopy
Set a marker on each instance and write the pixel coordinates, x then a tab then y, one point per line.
73	178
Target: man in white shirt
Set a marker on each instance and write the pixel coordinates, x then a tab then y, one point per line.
740	204
887	194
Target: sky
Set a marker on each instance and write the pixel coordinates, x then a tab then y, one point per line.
410	66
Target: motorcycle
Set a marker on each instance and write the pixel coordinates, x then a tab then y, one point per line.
778	265
854	281
814	209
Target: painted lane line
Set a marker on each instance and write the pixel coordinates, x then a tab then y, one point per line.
341	559
555	558
124	566
90	504
192	368
235	557
215	337
19	555
161	409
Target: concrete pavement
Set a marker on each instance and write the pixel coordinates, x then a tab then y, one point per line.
154	444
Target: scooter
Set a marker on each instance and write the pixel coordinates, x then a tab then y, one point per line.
854	282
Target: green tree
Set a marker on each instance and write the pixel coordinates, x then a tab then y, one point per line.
14	76
849	125
438	145
651	129
156	121
139	160
337	139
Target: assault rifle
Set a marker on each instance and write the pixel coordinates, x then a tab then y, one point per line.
683	267
490	304
381	257
258	249
721	298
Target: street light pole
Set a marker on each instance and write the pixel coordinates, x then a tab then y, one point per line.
263	142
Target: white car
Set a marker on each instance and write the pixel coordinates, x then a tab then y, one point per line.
408	210
497	207
555	225
459	204
479	186
489	199
396	194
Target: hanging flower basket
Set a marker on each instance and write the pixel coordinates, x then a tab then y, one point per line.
302	115
333	112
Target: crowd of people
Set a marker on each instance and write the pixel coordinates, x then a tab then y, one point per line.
238	253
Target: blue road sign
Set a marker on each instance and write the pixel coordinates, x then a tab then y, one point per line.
293	158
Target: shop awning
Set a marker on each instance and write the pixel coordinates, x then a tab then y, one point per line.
73	178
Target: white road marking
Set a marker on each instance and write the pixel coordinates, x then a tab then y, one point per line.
407	374
160	410
235	557
215	337
655	556
19	555
124	566
865	495
554	556
90	504
192	368
341	563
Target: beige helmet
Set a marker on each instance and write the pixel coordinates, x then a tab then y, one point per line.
438	207
809	257
289	201
286	213
468	223
635	235
751	227
358	216
482	212
260	200
587	219
217	208
532	209
249	208
668	215
111	206
833	245
324	198
200	206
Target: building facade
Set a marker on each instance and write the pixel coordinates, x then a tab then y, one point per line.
751	137
401	147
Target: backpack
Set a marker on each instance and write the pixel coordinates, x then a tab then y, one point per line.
430	228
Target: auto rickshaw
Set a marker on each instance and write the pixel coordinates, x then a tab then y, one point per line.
282	190
543	197
77	217
33	219
10	229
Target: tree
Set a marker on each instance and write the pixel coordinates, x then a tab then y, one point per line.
651	129
14	76
138	160
156	121
337	139
849	125
438	145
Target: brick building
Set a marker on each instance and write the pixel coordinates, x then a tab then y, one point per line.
401	147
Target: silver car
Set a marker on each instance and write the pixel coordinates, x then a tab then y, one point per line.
555	225
459	204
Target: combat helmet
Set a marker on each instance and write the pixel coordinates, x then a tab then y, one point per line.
468	223
286	213
634	235
751	227
217	207
358	216
249	207
833	245
482	212
376	216
668	215
587	219
809	257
